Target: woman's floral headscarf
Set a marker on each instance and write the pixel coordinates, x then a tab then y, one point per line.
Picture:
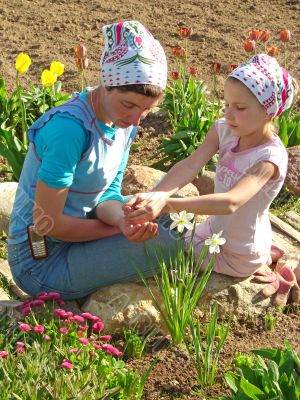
132	56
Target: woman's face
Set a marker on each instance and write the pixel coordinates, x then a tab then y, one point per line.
124	109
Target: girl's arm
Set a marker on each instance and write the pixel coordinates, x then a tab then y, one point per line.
227	203
146	207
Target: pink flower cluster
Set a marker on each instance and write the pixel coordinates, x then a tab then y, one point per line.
28	304
87	326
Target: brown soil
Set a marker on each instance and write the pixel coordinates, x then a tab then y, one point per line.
48	30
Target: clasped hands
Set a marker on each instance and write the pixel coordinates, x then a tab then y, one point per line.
139	213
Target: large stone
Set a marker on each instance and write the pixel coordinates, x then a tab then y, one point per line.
138	178
130	304
7	197
205	183
292	180
125	304
5	271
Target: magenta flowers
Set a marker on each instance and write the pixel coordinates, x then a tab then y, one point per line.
67	364
24	327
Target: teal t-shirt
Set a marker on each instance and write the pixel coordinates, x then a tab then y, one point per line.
60	145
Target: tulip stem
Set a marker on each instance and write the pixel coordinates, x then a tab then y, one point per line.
284	55
44	100
23	112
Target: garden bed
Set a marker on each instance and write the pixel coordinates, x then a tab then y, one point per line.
218	33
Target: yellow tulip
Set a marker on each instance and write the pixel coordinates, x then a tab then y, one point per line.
48	78
57	68
23	62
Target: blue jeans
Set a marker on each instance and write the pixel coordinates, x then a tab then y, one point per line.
77	269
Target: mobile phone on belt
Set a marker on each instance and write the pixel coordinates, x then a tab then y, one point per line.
38	245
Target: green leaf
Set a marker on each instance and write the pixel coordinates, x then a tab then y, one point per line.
273	371
231	381
249	389
283	132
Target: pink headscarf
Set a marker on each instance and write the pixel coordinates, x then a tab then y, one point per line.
132	56
268	81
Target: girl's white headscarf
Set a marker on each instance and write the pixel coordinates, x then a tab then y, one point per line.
270	83
132	56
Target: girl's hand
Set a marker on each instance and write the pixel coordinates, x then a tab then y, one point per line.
145	207
139	232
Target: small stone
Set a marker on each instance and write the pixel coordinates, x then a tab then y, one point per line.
292	180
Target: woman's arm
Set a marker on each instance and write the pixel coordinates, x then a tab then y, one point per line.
227	203
49	219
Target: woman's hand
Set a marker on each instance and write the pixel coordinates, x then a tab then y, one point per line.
139	232
145	207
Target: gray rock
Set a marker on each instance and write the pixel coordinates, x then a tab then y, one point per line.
7	197
5	271
130	304
138	178
292	180
205	183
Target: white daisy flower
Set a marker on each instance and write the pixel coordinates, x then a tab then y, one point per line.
215	242
182	220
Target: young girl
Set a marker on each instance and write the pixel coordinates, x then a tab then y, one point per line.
250	172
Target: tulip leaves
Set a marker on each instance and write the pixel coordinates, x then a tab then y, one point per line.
289	128
191	114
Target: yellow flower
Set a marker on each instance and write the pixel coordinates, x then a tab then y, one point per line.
57	68
48	78
23	62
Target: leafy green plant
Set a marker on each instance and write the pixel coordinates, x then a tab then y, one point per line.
207	349
192	114
134	343
18	111
269	322
180	287
289	128
191	111
276	378
54	354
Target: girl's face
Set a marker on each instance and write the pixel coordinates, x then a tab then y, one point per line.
124	109
243	112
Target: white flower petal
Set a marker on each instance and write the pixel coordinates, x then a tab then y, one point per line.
173	224
174	216
189	225
180	228
189	216
222	241
211	249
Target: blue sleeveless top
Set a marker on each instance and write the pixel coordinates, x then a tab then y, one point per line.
93	175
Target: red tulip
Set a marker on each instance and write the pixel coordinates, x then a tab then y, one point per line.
175	75
249	45
264	36
193	70
216	67
179	52
82	63
80	51
254	34
272	51
285	35
184	31
232	67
